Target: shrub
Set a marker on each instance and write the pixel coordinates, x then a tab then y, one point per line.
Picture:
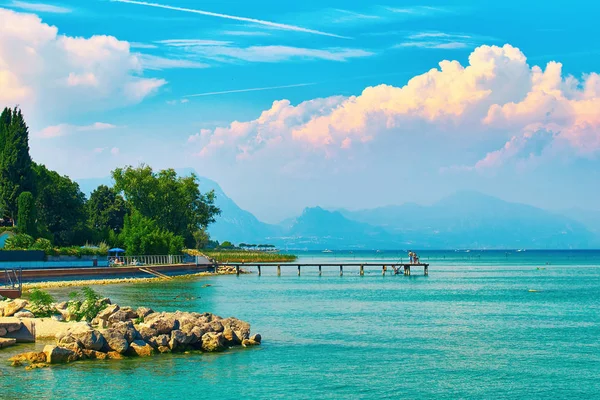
21	241
41	303
85	304
42	244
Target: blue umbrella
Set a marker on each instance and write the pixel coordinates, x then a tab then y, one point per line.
117	250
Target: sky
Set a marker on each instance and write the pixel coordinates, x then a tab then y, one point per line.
331	103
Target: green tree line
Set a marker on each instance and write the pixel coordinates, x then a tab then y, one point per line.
146	212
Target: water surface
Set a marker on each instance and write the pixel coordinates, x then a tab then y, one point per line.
471	329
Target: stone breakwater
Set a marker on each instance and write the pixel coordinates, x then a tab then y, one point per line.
117	332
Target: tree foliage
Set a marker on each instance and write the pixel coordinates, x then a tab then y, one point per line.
174	203
16	174
26	220
142	235
106	211
60	207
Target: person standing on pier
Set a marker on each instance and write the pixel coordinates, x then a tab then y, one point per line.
410	257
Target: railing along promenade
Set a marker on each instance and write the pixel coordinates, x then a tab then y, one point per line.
395	267
136	261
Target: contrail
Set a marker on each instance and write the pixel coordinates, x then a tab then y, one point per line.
244	19
249	90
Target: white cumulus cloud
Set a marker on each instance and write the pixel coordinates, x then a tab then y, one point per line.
496	97
42	69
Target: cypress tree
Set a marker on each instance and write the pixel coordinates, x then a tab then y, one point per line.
5	118
16	174
26	218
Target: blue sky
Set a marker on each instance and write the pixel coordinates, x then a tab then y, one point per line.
331	103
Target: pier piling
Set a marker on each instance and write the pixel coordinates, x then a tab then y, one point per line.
362	270
237	269
298	270
279	270
259	271
320	272
341	270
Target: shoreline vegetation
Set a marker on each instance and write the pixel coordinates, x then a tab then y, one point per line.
241	256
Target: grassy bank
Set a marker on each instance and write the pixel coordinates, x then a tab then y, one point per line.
225	256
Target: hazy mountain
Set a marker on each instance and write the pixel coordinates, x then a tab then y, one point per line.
589	218
235	224
474	220
319	228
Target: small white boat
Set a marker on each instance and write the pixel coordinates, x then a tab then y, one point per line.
327	251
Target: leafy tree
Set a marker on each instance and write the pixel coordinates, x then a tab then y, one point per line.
60	208
174	203
15	162
106	211
142	235
26	220
41	303
202	238
227	245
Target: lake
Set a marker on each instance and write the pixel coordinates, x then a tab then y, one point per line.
503	325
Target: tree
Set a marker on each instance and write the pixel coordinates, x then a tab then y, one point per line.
174	203
106	211
202	238
26	220
142	236
16	174
60	208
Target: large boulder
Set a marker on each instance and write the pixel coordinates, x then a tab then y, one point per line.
9	308
127	329
143	312
122	316
24	314
212	342
59	355
164	323
116	341
231	338
84	336
94	355
146	333
140	348
216	326
179	339
108	311
240	328
3	331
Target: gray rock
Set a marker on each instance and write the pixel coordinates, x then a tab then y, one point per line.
3	332
241	328
212	342
6	342
146	333
140	348
9	308
108	311
116	341
143	312
58	355
179	339
216	326
256	338
24	314
127	329
84	336
164	323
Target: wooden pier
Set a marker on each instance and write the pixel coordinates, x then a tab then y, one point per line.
395	267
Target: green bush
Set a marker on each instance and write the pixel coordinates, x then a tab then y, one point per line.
42	244
20	241
85	304
41	303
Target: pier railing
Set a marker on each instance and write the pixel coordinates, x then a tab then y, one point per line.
11	282
135	261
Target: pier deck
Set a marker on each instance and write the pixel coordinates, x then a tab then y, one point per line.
384	266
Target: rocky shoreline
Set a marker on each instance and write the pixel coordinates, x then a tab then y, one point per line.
118	332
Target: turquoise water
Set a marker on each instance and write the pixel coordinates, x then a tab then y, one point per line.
471	329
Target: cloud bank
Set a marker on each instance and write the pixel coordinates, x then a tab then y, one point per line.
496	97
40	68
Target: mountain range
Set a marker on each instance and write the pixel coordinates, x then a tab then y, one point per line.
464	220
